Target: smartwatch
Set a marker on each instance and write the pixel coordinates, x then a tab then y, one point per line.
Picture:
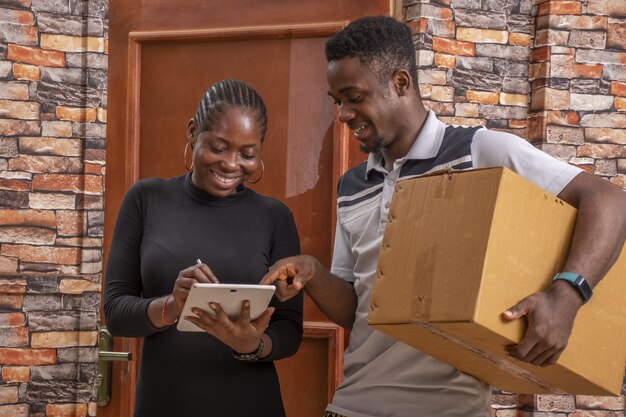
577	281
250	357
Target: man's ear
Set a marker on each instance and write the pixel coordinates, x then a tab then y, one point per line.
191	132
402	82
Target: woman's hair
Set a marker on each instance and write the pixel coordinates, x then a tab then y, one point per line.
227	94
380	42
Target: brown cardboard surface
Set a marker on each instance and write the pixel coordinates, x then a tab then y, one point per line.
462	247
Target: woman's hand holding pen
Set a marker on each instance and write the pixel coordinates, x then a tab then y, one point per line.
196	273
242	335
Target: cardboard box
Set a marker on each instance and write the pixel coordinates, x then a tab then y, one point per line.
462	247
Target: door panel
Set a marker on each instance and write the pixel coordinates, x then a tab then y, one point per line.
297	151
161	60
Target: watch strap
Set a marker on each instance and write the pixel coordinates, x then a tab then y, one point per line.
577	281
250	357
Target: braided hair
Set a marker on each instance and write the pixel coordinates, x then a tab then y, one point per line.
380	42
227	94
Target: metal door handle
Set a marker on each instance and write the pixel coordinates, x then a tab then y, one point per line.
114	356
105	356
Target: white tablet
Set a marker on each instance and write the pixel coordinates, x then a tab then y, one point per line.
229	297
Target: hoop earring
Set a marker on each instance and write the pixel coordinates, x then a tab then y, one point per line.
190	167
262	172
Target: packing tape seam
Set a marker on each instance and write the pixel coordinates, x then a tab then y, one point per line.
499	362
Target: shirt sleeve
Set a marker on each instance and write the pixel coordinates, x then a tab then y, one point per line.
493	148
343	260
286	325
125	311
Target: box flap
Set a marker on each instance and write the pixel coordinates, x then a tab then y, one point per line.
436	278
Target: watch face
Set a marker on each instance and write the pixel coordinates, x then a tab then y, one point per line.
583	287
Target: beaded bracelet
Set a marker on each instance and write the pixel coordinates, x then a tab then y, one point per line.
169	323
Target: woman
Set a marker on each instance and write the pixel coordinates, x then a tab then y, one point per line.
163	227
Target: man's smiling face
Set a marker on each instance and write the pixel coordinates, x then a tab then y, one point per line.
366	105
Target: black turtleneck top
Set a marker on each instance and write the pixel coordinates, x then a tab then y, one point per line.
162	227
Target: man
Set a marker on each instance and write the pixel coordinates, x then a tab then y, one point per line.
372	78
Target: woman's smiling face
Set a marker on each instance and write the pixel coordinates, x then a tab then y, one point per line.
227	154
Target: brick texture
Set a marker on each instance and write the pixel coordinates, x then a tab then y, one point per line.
556	63
550	71
51	193
66	410
553	72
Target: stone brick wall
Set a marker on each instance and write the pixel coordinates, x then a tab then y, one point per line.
553	72
578	79
473	60
53	79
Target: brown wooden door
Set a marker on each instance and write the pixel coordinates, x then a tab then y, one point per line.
162	56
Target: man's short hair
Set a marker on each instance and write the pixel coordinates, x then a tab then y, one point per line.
380	42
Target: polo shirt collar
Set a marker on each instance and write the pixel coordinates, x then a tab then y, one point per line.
425	146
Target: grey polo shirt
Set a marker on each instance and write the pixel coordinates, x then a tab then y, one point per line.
381	376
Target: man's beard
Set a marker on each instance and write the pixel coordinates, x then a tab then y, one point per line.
376	146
